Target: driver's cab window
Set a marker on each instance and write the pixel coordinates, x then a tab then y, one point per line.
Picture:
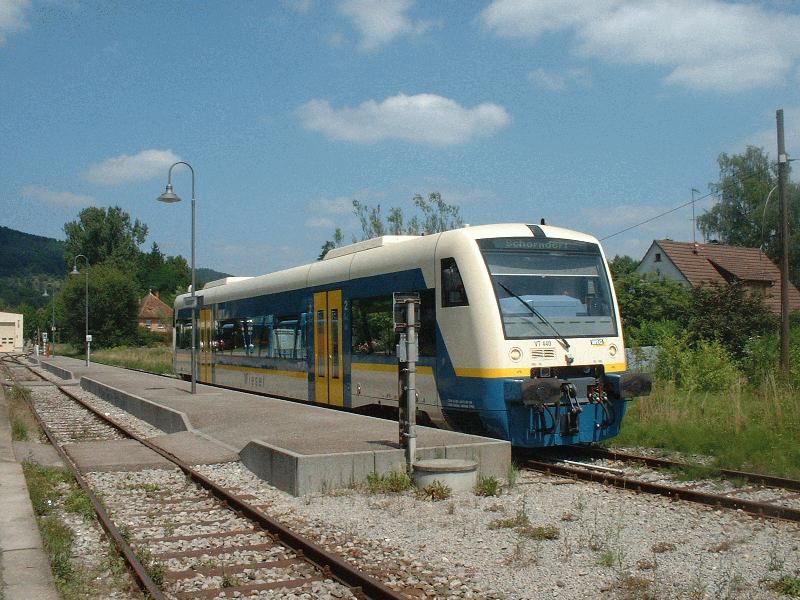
453	292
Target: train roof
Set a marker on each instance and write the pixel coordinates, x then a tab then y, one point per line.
366	258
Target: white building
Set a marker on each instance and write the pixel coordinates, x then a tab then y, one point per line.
10	332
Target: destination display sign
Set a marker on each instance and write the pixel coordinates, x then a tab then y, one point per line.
530	243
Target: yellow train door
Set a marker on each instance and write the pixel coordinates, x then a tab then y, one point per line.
328	363
205	345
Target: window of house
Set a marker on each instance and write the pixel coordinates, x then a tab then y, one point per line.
658	256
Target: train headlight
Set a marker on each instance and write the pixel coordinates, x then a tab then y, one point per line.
612	350
515	354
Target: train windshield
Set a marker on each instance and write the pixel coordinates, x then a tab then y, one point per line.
548	288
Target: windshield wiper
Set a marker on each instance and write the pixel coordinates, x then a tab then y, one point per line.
536	313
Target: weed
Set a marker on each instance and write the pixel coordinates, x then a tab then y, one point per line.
145	487
169	529
519	520
57	540
776	561
693	472
487	486
787	585
42	485
568	516
155	568
78	502
19	430
607	558
434	491
631	587
388	483
19	393
512	475
645	564
723	546
496	507
540	532
227	580
113	561
662	547
125	534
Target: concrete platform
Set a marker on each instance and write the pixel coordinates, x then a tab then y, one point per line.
24	566
195	449
115	455
41	454
300	448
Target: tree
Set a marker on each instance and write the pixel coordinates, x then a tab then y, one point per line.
163	274
105	234
651	308
740	218
730	316
437	216
113	307
622	265
331	244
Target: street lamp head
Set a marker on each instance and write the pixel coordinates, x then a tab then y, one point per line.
169	195
45	294
74	270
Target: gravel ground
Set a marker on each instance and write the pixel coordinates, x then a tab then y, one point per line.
610	543
607	543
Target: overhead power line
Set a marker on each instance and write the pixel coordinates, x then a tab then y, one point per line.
684	205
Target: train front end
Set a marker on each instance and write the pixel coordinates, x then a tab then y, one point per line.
548	364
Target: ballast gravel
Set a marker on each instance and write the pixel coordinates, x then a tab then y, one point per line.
544	538
607	543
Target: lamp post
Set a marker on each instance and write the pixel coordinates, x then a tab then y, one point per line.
86	317
53	321
169	196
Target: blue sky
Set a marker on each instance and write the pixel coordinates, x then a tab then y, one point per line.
595	115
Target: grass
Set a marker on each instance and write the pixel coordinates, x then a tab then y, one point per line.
388	483
787	585
487	486
154	359
19	430
43	483
743	428
517	521
540	532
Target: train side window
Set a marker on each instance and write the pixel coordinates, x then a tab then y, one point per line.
453	292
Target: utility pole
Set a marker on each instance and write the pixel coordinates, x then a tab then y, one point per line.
783	163
694	221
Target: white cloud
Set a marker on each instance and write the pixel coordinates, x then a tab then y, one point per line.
558	81
327	213
147	164
424	118
703	44
381	21
12	17
298	6
45	194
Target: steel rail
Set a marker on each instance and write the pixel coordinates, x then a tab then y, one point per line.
760	509
663	463
331	565
140	573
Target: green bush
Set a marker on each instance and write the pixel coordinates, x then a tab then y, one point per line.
487	486
706	367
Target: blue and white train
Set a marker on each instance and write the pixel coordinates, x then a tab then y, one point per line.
519	338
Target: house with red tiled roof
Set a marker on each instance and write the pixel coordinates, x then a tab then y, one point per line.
154	314
703	265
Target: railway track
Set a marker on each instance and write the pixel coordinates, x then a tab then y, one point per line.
184	536
760	495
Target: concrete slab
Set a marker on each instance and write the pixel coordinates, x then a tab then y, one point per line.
24	566
115	455
195	449
298	447
42	454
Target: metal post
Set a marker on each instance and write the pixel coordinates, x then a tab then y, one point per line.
194	297
53	324
783	162
88	343
411	385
